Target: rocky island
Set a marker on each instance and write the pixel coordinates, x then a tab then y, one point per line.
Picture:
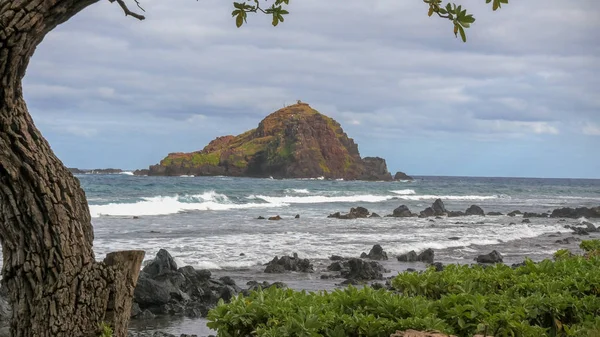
294	142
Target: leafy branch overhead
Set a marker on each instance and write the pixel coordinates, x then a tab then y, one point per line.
241	10
459	17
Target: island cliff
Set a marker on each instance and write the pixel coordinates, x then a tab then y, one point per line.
294	142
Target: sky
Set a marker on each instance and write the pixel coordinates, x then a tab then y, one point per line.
520	98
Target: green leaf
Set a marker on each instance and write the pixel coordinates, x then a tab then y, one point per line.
468	19
462	33
239	20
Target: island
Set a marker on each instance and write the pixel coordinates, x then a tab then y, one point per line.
296	141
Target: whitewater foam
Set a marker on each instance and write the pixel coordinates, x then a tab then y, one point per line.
316	199
163	205
297	190
453	197
404	192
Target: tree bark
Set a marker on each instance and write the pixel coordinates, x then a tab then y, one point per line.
56	287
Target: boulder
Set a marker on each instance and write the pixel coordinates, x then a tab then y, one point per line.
253	285
453	214
580	231
297	216
146	314
289	263
493	257
526	221
376	253
567	212
358	212
375	215
438	207
494	213
277	217
135	309
162	263
475	210
162	290
336	266
402	176
514	213
361	270
589	227
426	256
402	211
567	241
149	292
427	212
408	257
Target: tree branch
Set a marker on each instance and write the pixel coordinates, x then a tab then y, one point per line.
129	12
442	16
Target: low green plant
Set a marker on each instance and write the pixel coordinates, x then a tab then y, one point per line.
105	330
549	298
562	254
590	247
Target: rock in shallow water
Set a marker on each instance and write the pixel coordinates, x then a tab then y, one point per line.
162	263
289	263
376	253
475	210
361	270
161	290
492	257
408	257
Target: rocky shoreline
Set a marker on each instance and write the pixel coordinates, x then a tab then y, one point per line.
166	290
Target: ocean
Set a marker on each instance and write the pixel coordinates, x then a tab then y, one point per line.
207	222
211	222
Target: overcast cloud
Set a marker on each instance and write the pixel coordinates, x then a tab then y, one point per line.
520	98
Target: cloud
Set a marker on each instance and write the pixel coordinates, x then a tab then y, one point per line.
591	129
383	69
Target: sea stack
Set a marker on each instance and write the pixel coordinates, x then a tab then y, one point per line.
294	142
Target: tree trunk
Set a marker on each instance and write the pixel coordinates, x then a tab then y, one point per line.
55	286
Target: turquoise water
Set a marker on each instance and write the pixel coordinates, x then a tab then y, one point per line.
208	221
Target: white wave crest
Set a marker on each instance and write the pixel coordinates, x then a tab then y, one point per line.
404	192
317	199
297	190
453	197
127	173
162	205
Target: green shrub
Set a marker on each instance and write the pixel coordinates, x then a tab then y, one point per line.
550	298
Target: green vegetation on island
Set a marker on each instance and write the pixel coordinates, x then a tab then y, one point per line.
294	142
